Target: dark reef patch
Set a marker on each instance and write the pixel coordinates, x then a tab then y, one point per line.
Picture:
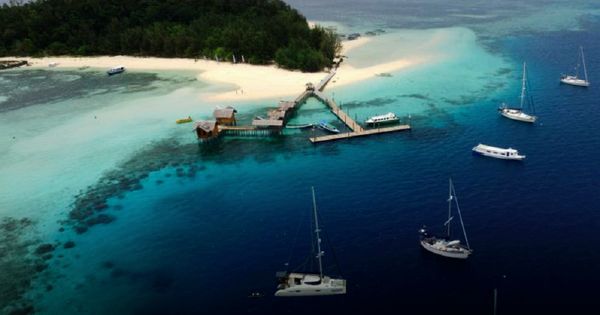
69	244
22	258
416	95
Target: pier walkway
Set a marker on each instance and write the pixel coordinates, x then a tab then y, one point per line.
335	109
354	134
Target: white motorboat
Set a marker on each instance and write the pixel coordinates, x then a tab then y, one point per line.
53	64
517	113
574	79
328	127
310	284
445	246
116	70
382	119
499	153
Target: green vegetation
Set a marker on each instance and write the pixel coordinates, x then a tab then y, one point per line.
262	31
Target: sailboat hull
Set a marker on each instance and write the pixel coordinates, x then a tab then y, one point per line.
575	82
458	252
517	114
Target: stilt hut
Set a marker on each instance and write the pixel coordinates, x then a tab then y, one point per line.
225	116
206	129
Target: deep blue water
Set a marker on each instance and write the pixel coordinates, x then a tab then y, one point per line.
201	245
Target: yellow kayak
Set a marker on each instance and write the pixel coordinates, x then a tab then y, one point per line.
184	120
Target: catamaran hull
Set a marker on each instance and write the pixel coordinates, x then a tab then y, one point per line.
312	291
581	83
457	255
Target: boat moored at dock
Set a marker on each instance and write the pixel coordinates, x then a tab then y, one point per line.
328	127
498	153
388	118
116	70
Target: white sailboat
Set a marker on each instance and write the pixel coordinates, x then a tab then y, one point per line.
518	113
574	79
310	284
445	246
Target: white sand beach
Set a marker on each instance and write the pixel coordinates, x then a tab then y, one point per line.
250	82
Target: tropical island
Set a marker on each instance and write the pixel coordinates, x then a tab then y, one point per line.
252	31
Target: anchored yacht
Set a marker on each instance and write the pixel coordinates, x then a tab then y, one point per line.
310	284
517	113
498	153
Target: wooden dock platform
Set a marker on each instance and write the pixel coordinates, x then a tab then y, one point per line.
335	109
363	132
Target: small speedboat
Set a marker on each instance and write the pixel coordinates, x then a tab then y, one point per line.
299	126
116	70
382	119
498	153
184	120
328	127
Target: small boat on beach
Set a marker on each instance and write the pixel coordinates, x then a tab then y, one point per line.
517	113
444	245
498	153
328	127
184	120
53	64
310	284
574	79
115	70
388	118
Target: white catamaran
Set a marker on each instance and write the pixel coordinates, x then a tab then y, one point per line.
518	113
445	246
574	79
310	284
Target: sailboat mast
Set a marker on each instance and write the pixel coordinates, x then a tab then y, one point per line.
449	205
317	231
460	216
523	84
583	61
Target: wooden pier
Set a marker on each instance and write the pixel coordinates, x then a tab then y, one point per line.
362	133
279	117
335	109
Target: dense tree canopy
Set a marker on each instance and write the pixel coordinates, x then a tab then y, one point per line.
262	31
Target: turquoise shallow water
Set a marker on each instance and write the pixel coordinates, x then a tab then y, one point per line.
197	228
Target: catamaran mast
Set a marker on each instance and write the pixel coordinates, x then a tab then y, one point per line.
460	216
583	61
523	84
449	206
317	231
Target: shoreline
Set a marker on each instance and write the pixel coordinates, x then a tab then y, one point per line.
250	82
